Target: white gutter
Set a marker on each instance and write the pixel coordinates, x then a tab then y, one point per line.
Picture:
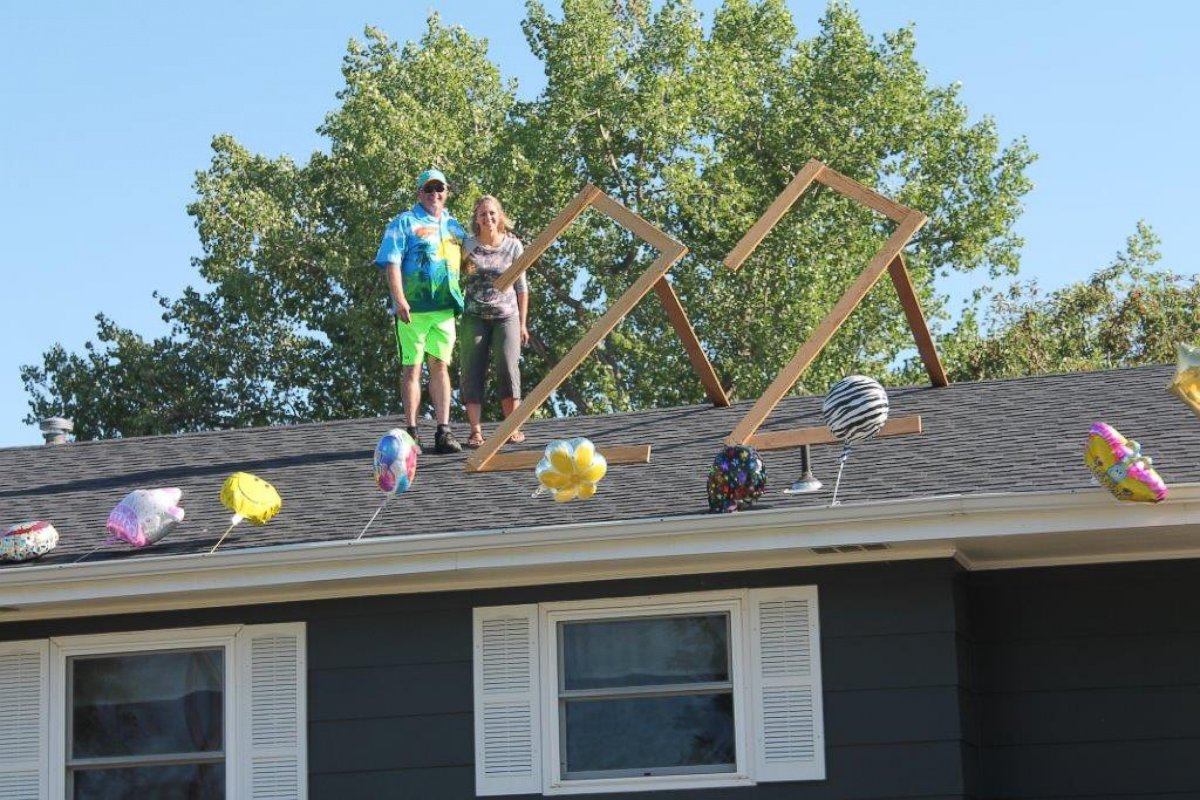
945	526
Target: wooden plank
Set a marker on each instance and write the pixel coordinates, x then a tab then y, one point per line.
635	224
816	342
781	440
534	399
528	459
798	185
533	252
691	343
863	194
916	321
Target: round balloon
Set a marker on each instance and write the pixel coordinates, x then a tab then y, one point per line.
736	479
1118	463
250	497
145	516
571	469
395	463
855	408
28	541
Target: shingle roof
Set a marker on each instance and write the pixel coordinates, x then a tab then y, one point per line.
993	436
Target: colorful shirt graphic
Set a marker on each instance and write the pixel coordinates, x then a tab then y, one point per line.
483	266
429	252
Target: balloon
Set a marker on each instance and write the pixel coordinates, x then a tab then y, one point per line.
250	497
395	461
1118	463
571	469
145	516
736	479
28	541
855	408
1186	383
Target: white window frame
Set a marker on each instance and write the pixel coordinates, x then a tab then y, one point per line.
732	603
265	714
64	648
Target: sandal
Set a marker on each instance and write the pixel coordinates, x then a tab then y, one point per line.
475	440
517	437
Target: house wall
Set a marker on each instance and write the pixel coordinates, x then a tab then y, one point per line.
1088	681
390	681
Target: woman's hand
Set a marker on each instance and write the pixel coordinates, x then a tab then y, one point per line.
524	336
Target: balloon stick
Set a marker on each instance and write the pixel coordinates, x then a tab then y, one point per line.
236	519
89	552
373	516
841	466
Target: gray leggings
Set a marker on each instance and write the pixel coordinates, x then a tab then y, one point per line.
502	337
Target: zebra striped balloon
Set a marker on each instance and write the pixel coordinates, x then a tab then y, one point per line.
855	408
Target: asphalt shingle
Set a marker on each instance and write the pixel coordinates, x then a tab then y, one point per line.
993	436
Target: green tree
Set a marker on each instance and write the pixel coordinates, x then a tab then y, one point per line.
696	132
1124	315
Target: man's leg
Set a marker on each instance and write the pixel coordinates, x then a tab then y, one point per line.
410	393
439	389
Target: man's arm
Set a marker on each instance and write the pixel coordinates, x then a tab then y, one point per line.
396	289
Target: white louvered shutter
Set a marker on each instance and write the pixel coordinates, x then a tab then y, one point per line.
507	722
271	698
24	715
786	684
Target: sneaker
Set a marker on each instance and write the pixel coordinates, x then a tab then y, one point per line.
444	442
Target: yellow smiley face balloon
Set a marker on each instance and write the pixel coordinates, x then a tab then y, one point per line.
250	497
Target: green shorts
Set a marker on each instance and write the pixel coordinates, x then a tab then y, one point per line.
430	332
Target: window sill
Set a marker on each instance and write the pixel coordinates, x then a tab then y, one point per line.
648	784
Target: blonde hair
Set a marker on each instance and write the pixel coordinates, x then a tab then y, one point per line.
503	223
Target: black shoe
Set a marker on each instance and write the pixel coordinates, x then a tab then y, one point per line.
444	442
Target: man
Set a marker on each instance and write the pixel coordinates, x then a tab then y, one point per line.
420	255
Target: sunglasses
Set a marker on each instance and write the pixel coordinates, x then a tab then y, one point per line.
433	188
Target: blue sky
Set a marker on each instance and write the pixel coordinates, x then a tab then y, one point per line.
109	108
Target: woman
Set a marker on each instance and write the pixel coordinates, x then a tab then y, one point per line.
493	322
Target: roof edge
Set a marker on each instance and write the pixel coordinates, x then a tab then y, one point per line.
942	526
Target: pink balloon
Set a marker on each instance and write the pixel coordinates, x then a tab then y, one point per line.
145	516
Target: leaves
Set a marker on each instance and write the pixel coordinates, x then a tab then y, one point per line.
695	131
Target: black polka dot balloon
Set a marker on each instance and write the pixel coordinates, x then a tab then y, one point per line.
855	408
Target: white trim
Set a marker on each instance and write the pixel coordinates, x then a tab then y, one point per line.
732	602
986	529
65	647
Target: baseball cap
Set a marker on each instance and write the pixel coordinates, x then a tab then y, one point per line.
431	175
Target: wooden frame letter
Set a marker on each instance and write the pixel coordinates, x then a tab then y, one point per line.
485	459
888	258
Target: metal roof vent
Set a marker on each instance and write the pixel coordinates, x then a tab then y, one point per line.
55	429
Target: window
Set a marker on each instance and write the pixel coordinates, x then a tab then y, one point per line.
666	692
200	713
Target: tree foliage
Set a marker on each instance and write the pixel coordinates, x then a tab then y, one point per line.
1124	315
696	131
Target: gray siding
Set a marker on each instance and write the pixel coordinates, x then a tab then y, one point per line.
1088	681
390	692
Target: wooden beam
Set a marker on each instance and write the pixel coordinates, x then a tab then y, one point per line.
798	185
916	321
791	373
639	227
868	197
573	209
691	343
603	326
781	440
528	459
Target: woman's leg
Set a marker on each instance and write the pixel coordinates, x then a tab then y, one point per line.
475	338
506	356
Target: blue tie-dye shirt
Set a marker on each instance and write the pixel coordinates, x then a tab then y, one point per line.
429	252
